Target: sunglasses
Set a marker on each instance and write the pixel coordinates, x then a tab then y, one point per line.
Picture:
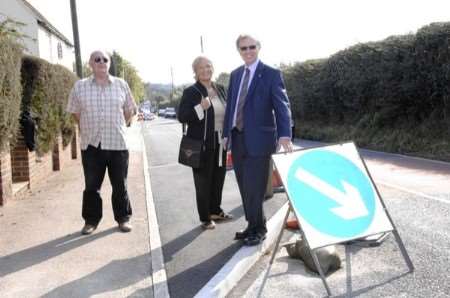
101	59
252	47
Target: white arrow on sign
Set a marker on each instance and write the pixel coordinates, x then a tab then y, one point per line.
352	205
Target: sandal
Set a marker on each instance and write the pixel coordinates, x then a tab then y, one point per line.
221	216
208	225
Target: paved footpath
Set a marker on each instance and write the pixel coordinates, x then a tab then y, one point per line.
42	253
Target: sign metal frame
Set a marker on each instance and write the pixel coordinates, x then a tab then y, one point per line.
313	251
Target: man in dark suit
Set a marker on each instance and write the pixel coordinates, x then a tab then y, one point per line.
257	121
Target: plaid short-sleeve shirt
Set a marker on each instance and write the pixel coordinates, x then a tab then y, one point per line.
101	110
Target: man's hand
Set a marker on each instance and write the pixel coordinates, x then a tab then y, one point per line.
76	117
286	143
129	115
225	143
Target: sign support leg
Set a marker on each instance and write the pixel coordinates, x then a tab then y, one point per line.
274	252
403	250
322	276
394	231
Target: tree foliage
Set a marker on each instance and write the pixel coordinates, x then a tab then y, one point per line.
120	67
393	94
46	90
10	86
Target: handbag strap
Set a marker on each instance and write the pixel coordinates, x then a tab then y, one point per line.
206	117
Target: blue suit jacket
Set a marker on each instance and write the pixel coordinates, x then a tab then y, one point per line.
266	110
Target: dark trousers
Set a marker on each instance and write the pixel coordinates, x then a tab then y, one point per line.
209	181
251	175
95	162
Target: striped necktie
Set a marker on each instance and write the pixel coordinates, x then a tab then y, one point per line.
241	102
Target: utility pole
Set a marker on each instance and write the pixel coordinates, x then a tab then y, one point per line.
76	38
171	92
201	44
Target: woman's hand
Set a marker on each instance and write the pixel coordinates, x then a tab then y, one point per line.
205	103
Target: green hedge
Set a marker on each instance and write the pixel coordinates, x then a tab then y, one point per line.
46	90
391	95
10	89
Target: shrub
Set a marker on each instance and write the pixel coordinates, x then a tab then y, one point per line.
385	94
46	89
10	88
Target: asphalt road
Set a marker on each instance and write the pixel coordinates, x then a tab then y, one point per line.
192	256
417	195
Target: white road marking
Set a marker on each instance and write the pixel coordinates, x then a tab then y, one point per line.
412	191
159	276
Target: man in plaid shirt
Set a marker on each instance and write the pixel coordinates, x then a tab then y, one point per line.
103	106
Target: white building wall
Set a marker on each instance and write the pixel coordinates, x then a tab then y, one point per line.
68	59
41	42
45	44
48	49
16	11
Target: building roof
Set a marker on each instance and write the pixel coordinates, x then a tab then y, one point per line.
42	21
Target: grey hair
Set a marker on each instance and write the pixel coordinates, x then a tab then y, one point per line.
94	53
245	36
197	61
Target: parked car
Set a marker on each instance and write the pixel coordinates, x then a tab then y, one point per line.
170	113
161	112
145	114
148	115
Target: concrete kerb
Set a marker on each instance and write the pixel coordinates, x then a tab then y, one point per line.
230	274
159	276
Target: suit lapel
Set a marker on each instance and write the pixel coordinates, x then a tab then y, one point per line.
236	83
256	79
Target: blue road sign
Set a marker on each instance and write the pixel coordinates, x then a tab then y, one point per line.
331	193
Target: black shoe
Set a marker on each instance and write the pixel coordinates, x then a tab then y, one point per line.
241	235
255	239
88	229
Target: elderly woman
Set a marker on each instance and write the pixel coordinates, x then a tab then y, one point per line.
204	102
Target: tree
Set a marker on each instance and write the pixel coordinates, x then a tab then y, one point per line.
122	68
223	79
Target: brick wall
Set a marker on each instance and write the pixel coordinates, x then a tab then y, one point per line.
20	159
27	166
20	165
5	177
75	144
42	168
61	155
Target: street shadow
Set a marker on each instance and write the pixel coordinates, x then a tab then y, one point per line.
408	161
174	246
353	249
43	252
190	281
370	288
115	275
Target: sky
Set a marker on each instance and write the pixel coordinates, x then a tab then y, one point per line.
157	35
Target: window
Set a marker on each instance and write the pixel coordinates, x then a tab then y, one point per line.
60	52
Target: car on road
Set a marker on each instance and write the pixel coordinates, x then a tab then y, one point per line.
161	112
170	113
145	114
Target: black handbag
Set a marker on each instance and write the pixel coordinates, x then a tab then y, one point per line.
192	150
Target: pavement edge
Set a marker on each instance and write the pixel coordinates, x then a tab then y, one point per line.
159	276
241	262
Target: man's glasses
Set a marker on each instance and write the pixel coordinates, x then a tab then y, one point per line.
101	59
252	47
